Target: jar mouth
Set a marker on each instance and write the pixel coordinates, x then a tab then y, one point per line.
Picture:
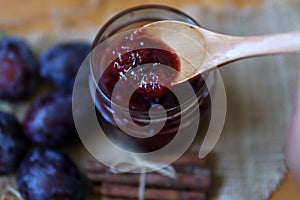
98	38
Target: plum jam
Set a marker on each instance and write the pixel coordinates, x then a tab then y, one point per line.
133	52
136	59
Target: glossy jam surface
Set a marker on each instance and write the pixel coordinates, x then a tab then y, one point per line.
147	56
149	81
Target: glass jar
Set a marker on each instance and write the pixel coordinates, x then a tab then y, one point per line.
140	104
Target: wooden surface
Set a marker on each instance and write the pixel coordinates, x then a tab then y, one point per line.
45	16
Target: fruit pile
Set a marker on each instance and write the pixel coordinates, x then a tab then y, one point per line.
31	148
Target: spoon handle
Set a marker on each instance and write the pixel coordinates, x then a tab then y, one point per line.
243	47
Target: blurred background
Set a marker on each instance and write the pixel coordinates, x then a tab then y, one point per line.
45	15
41	16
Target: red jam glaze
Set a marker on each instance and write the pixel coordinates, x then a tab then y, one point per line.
133	52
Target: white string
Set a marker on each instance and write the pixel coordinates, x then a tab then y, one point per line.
142	184
138	164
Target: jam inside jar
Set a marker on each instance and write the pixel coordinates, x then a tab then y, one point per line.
149	92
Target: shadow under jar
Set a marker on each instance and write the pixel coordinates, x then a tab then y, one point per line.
124	58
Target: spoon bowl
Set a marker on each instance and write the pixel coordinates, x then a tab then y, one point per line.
205	50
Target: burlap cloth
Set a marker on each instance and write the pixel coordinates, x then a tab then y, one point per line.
248	160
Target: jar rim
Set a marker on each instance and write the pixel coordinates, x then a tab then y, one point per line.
136	8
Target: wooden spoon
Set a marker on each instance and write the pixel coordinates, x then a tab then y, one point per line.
205	50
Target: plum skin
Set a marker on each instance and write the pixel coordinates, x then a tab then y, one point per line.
49	175
49	120
13	143
18	69
59	63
